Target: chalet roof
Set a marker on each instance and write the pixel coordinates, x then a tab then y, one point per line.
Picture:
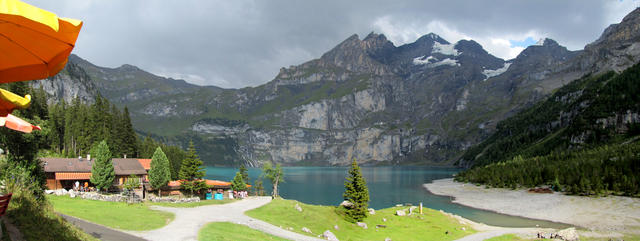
128	166
122	166
66	164
146	163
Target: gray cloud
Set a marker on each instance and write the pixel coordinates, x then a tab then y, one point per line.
234	44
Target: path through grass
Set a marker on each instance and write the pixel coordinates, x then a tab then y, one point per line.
193	204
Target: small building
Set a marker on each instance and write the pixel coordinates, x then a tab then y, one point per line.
65	172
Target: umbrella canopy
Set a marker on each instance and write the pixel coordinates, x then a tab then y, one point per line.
15	123
10	101
34	43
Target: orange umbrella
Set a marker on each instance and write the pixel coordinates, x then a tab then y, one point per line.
34	43
15	123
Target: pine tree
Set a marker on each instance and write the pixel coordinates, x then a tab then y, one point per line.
237	184
191	172
245	173
357	193
102	172
159	174
258	187
129	135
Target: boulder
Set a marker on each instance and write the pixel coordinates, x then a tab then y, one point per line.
568	234
401	213
298	208
361	224
346	204
306	230
328	235
371	211
72	194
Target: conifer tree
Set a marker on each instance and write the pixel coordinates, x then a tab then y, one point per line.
357	193
159	174
245	173
192	172
129	135
237	184
258	187
102	172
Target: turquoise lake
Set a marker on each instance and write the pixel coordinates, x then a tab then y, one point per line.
388	186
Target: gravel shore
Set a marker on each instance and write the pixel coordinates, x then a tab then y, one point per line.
608	214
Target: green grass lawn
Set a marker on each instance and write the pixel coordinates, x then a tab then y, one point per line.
225	231
432	225
112	214
192	205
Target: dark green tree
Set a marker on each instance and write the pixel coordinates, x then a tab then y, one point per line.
237	184
275	175
102	172
159	174
258	187
357	193
192	172
128	135
245	173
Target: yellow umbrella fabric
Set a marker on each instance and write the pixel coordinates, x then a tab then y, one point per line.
10	101
34	43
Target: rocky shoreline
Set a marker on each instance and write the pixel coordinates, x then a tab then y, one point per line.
612	214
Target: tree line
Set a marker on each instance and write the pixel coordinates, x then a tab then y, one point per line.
599	171
74	129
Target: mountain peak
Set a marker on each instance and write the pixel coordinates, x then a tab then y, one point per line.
620	33
128	67
430	38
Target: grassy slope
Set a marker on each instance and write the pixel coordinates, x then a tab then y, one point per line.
192	205
432	225
224	231
116	215
38	221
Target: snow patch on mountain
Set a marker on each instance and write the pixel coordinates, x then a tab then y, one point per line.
432	62
495	72
446	49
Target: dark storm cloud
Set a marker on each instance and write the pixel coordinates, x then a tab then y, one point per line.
235	44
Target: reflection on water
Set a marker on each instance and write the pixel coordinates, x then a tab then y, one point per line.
388	186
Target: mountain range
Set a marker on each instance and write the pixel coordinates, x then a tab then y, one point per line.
420	103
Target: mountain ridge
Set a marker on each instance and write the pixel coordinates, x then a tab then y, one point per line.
419	103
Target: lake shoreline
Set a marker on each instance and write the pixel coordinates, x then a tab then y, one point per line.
603	214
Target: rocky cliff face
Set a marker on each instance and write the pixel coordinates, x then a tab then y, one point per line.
420	103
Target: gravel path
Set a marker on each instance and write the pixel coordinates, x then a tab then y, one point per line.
189	221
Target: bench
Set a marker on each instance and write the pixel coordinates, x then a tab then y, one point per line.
4	203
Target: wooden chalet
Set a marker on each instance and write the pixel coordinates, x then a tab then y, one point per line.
65	172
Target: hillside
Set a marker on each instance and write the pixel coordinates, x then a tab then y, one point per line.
591	111
420	103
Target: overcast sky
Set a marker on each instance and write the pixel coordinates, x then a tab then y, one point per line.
239	43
